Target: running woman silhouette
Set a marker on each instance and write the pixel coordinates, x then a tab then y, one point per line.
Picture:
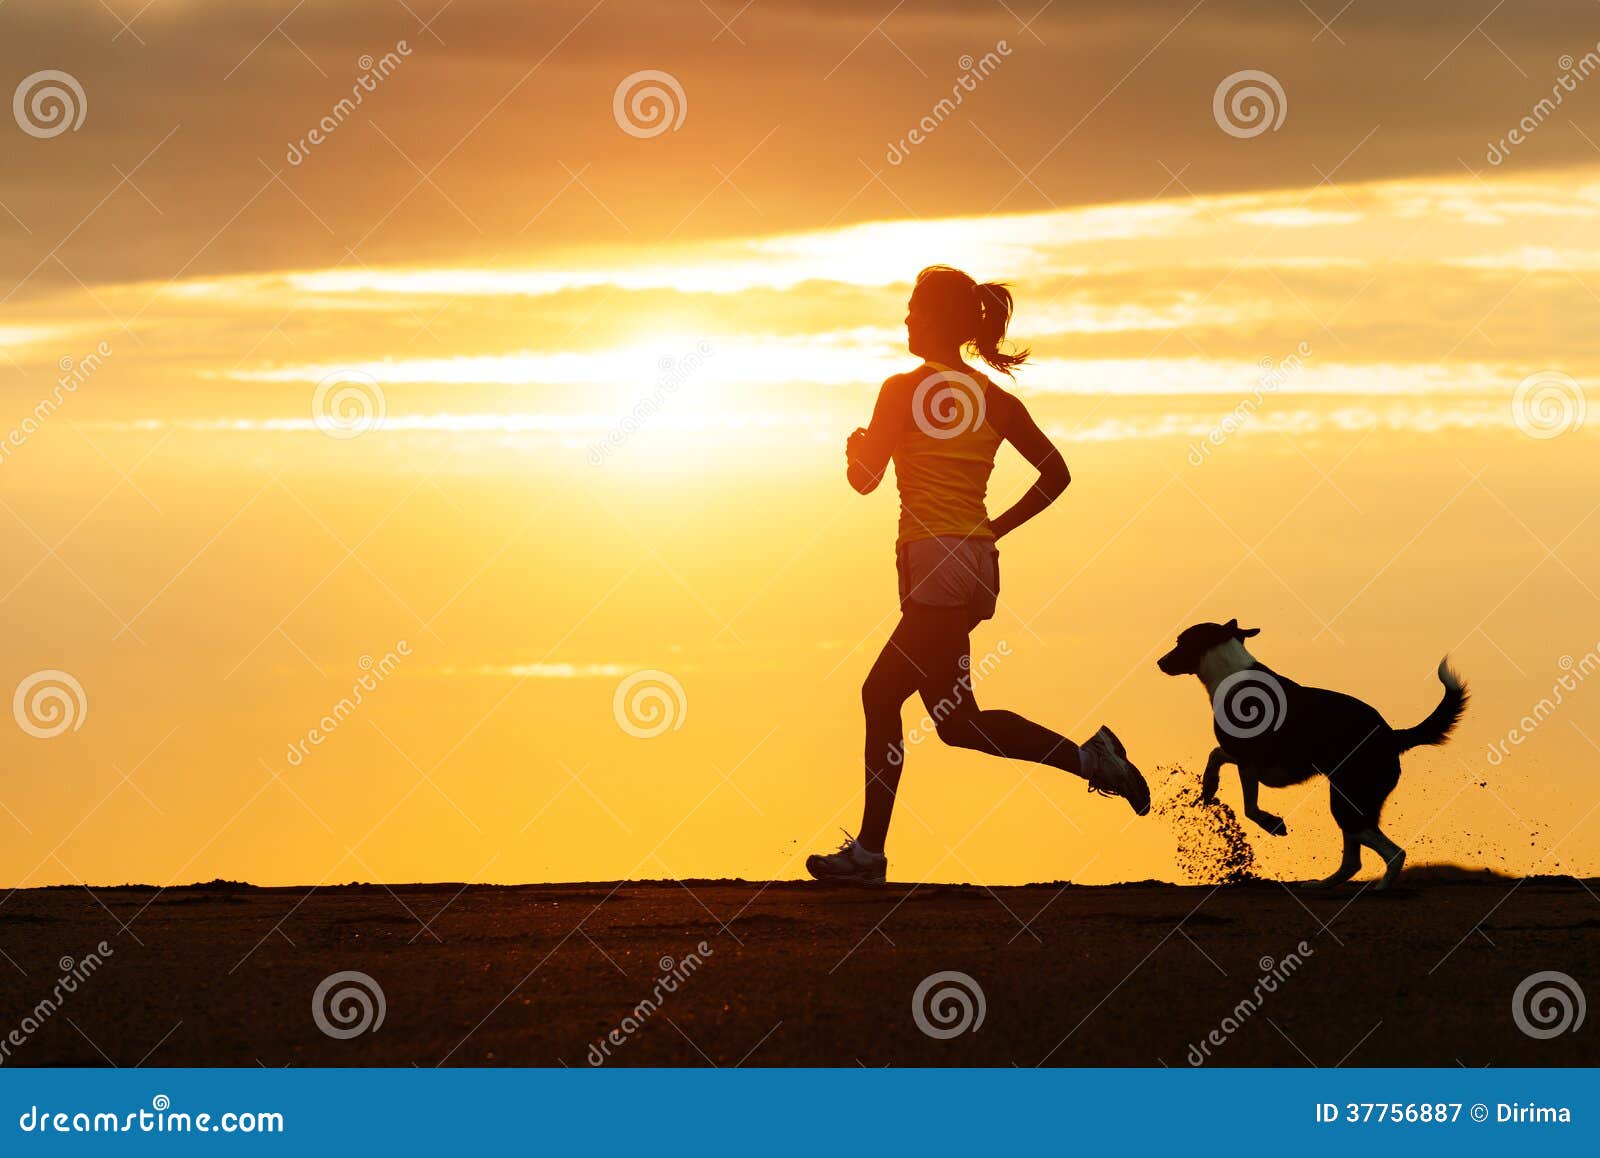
941	426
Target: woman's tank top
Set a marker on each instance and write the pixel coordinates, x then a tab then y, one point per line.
945	455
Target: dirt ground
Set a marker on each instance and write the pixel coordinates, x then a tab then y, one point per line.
734	972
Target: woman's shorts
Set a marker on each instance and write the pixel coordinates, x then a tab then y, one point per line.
950	571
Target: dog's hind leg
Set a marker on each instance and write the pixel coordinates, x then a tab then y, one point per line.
1347	866
1356	792
1394	857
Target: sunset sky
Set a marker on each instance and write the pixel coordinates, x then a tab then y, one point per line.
495	381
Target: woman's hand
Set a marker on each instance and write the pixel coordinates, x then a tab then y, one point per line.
856	449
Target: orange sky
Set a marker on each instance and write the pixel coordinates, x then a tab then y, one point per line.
555	403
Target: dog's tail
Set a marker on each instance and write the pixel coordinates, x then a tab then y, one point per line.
1442	720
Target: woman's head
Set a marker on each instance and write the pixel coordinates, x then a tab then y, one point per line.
949	311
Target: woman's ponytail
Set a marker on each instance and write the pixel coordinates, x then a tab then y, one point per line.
968	314
994	315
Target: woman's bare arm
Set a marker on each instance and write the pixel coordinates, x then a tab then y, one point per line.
1016	426
867	451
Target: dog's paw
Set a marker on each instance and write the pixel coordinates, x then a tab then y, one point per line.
1273	824
1391	874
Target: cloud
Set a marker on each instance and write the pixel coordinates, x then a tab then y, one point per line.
496	139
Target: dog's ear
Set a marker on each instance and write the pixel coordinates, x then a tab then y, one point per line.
1246	632
1232	625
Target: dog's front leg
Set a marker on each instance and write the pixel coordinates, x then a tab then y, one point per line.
1213	774
1249	785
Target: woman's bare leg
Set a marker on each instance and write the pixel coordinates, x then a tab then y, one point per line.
948	694
928	652
892	680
